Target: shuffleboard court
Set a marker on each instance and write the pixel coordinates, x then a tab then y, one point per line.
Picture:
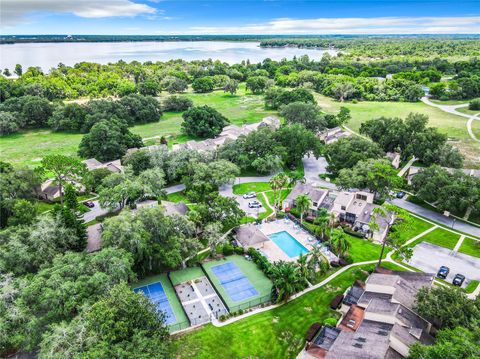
234	281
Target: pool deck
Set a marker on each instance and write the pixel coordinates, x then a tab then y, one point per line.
274	252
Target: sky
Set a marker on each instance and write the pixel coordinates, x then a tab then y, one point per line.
167	17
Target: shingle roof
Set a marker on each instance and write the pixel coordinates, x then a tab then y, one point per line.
249	235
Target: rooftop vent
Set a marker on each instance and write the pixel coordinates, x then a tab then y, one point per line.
358	345
361	339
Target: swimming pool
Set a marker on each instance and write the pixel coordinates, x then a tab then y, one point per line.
288	244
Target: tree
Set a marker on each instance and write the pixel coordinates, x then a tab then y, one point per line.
231	86
322	222
375	175
57	293
174	84
118	325
256	84
119	190
303	203
474	105
68	117
224	210
286	280
213	235
277	182
153	181
414	93
449	344
8	123
203	121
203	84
317	260
141	109
18	70
347	152
138	161
447	307
307	114
108	140
64	169
149	88
71	201
177	103
297	142
23	213
36	111
343	91
339	242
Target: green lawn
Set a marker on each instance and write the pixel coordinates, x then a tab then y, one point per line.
471	286
282	194
178	197
185	275
417	226
471	247
28	147
363	250
256	277
440	237
452	125
181	318
256	187
277	333
44	206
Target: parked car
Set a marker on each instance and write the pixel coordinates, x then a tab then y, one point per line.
249	195
443	272
400	194
254	204
89	204
458	280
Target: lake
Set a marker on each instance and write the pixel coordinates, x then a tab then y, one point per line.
48	55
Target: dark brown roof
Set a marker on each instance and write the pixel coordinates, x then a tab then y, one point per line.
312	331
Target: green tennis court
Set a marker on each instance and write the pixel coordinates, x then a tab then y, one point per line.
255	276
181	320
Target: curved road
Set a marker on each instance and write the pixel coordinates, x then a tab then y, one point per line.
453	110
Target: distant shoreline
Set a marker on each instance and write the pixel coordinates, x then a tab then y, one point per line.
62	38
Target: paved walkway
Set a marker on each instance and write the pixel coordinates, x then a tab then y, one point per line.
419	236
406	167
453	110
437	217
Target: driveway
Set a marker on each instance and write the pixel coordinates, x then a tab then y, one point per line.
437	217
314	167
227	191
429	258
94	212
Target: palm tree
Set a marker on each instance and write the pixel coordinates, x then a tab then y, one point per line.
303	203
304	270
277	182
286	280
339	242
322	222
317	261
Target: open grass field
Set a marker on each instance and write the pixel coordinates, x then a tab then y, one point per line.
417	226
178	197
28	147
256	187
452	125
277	333
185	275
175	304
364	250
441	237
256	277
471	247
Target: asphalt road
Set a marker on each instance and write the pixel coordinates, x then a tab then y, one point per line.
437	217
429	258
314	167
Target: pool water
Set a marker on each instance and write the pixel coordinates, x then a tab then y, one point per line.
288	244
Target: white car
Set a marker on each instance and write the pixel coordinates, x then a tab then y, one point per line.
249	195
254	204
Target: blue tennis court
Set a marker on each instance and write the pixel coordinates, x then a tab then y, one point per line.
234	281
157	296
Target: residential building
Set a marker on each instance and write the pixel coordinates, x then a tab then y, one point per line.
378	320
394	158
112	166
229	133
332	134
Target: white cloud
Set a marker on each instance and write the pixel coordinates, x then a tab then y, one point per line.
377	25
14	12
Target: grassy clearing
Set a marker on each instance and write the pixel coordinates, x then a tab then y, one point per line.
418	226
283	193
452	125
471	247
277	333
363	250
256	187
440	237
28	147
471	286
178	197
185	275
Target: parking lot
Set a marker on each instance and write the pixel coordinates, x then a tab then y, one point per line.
226	191
429	258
